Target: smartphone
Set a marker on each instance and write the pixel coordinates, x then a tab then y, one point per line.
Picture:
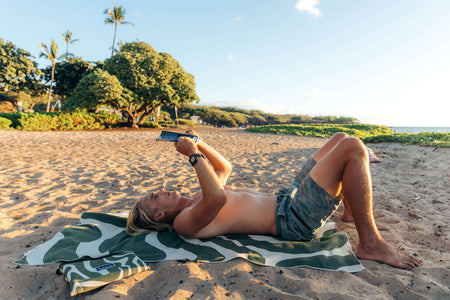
170	136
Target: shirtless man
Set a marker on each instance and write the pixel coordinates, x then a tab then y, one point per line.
297	212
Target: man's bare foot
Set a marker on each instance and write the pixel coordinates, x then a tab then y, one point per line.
347	216
385	253
373	158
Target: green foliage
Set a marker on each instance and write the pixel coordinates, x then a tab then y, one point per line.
5	123
186	122
255	117
240	118
324	130
67	75
96	89
150	124
13	117
435	139
154	79
368	133
257	120
17	69
106	119
218	117
61	121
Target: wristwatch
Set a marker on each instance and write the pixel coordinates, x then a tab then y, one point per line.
194	157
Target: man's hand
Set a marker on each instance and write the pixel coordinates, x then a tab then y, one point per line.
186	146
192	132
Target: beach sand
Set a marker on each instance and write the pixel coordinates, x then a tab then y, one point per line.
48	179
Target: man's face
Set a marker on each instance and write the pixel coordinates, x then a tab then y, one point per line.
161	203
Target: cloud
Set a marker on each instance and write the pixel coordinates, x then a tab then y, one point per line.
238	19
316	93
309	6
230	57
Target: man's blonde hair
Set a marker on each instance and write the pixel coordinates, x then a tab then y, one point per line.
139	221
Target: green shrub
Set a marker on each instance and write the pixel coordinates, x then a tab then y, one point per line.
13	117
435	139
61	121
186	122
368	133
324	130
38	122
108	119
5	123
149	124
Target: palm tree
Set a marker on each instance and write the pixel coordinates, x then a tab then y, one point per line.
52	55
116	16
67	36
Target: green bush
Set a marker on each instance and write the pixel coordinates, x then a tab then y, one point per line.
108	119
149	124
435	139
62	121
186	122
324	130
13	117
368	133
38	122
5	123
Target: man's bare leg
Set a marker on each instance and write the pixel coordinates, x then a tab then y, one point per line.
332	141
347	215
346	167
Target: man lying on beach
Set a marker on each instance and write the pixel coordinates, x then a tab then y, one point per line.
297	212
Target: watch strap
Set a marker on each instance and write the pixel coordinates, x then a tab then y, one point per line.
194	158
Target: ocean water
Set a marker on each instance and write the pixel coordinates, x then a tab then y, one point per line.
420	129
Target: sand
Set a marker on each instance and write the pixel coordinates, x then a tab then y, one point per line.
48	179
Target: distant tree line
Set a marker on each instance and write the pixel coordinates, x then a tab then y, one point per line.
234	117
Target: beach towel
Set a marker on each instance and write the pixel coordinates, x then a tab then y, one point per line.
89	274
99	235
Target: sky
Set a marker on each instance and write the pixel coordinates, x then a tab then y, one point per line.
383	62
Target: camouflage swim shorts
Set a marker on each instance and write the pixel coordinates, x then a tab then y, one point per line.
303	207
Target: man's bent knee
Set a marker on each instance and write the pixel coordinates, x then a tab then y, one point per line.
339	135
353	147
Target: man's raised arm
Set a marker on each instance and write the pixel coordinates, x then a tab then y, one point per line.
222	167
192	219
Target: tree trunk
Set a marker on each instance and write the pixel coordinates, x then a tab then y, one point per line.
131	117
51	86
114	39
158	112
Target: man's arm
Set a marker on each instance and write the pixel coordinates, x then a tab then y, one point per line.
192	219
222	167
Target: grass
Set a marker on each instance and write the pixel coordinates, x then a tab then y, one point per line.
367	133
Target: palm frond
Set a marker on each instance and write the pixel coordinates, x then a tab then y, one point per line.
45	53
109	21
126	22
54	49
